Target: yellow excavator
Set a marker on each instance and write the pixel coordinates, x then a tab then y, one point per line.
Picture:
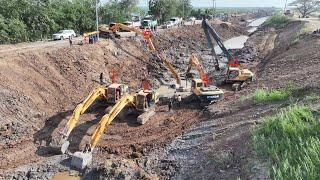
147	37
143	102
111	94
206	94
81	159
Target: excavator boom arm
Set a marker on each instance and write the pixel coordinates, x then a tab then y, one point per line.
195	63
108	118
171	69
118	26
82	107
151	47
209	31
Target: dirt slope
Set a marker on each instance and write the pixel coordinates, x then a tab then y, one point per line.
46	84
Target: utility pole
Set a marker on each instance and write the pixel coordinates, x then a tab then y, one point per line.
183	4
285	6
97	20
213	9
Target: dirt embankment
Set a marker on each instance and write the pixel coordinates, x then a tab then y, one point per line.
39	87
192	38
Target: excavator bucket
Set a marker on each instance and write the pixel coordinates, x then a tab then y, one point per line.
80	160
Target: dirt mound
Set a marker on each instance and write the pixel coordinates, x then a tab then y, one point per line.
291	62
192	37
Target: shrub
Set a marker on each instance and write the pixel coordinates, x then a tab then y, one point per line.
277	21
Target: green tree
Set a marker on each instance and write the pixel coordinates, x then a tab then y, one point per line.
183	8
30	20
163	10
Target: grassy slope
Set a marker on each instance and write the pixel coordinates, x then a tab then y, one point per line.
291	142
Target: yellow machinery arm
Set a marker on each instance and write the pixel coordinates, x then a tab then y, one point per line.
82	159
108	118
171	69
195	62
81	108
118	26
151	47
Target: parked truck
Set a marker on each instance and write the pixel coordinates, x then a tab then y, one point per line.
176	21
149	22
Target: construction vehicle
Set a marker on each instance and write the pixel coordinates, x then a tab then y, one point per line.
235	74
147	37
82	159
149	22
206	94
143	102
111	94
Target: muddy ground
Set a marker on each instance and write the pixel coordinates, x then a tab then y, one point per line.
40	88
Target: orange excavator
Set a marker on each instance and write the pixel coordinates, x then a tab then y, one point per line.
206	94
146	34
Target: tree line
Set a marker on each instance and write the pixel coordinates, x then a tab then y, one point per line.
31	20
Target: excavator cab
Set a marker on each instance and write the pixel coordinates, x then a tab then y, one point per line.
115	92
238	74
145	99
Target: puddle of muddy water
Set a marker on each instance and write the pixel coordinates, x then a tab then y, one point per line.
258	22
233	43
251	30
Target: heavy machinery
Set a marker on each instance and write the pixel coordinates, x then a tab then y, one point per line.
206	94
116	95
147	37
111	94
82	159
235	74
143	102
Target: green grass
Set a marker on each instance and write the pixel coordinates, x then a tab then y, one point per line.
290	141
277	21
264	96
312	98
303	32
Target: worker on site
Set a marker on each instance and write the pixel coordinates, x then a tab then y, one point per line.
175	96
70	41
179	100
170	104
101	79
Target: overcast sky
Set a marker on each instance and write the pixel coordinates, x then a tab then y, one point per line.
233	3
